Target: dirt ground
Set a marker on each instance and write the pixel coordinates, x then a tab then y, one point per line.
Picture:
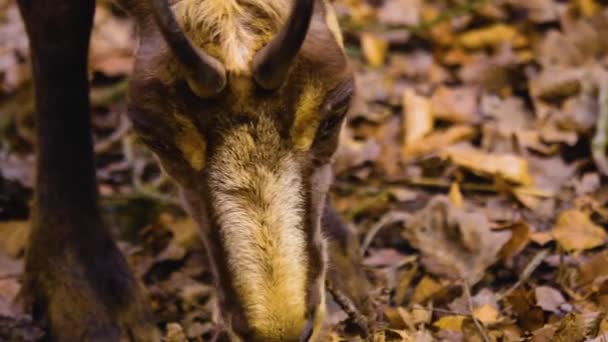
472	166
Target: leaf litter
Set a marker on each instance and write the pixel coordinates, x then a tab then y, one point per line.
472	167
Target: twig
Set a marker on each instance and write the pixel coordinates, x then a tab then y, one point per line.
600	140
123	128
480	328
386	220
149	190
347	305
527	272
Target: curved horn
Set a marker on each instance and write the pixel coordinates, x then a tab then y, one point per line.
271	64
206	75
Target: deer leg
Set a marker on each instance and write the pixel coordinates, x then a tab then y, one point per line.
76	282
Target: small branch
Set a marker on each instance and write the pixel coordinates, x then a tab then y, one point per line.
386	220
527	272
123	128
347	305
480	328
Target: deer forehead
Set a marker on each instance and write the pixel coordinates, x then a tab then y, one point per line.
234	30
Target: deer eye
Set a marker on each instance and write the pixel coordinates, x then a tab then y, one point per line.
332	121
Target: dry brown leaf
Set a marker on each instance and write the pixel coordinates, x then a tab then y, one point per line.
455	104
456	196
486	314
425	290
507	166
111	44
352	153
548	298
520	238
454	243
492	35
175	333
589	7
13	237
438	139
418	118
575	231
374	49
452	322
186	233
575	327
556	83
400	12
594	269
9	290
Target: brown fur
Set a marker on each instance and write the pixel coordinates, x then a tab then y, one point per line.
225	153
294	114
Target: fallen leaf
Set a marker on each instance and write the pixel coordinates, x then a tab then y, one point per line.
418	119
438	139
453	242
548	298
175	333
575	327
520	238
452	322
492	35
352	153
186	233
400	12
507	166
456	196
594	268
575	231
425	290
523	303
589	7
455	104
374	49
13	237
486	314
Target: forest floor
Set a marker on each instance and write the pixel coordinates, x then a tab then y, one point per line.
472	165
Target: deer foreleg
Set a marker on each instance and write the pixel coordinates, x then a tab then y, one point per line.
76	280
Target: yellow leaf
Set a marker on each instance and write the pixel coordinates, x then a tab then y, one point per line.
374	49
453	323
493	35
418	119
13	237
456	196
486	314
507	166
520	238
575	231
589	7
425	289
437	140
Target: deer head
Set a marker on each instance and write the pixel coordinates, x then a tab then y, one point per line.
242	102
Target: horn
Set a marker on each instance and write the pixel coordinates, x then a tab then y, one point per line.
271	64
206	75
